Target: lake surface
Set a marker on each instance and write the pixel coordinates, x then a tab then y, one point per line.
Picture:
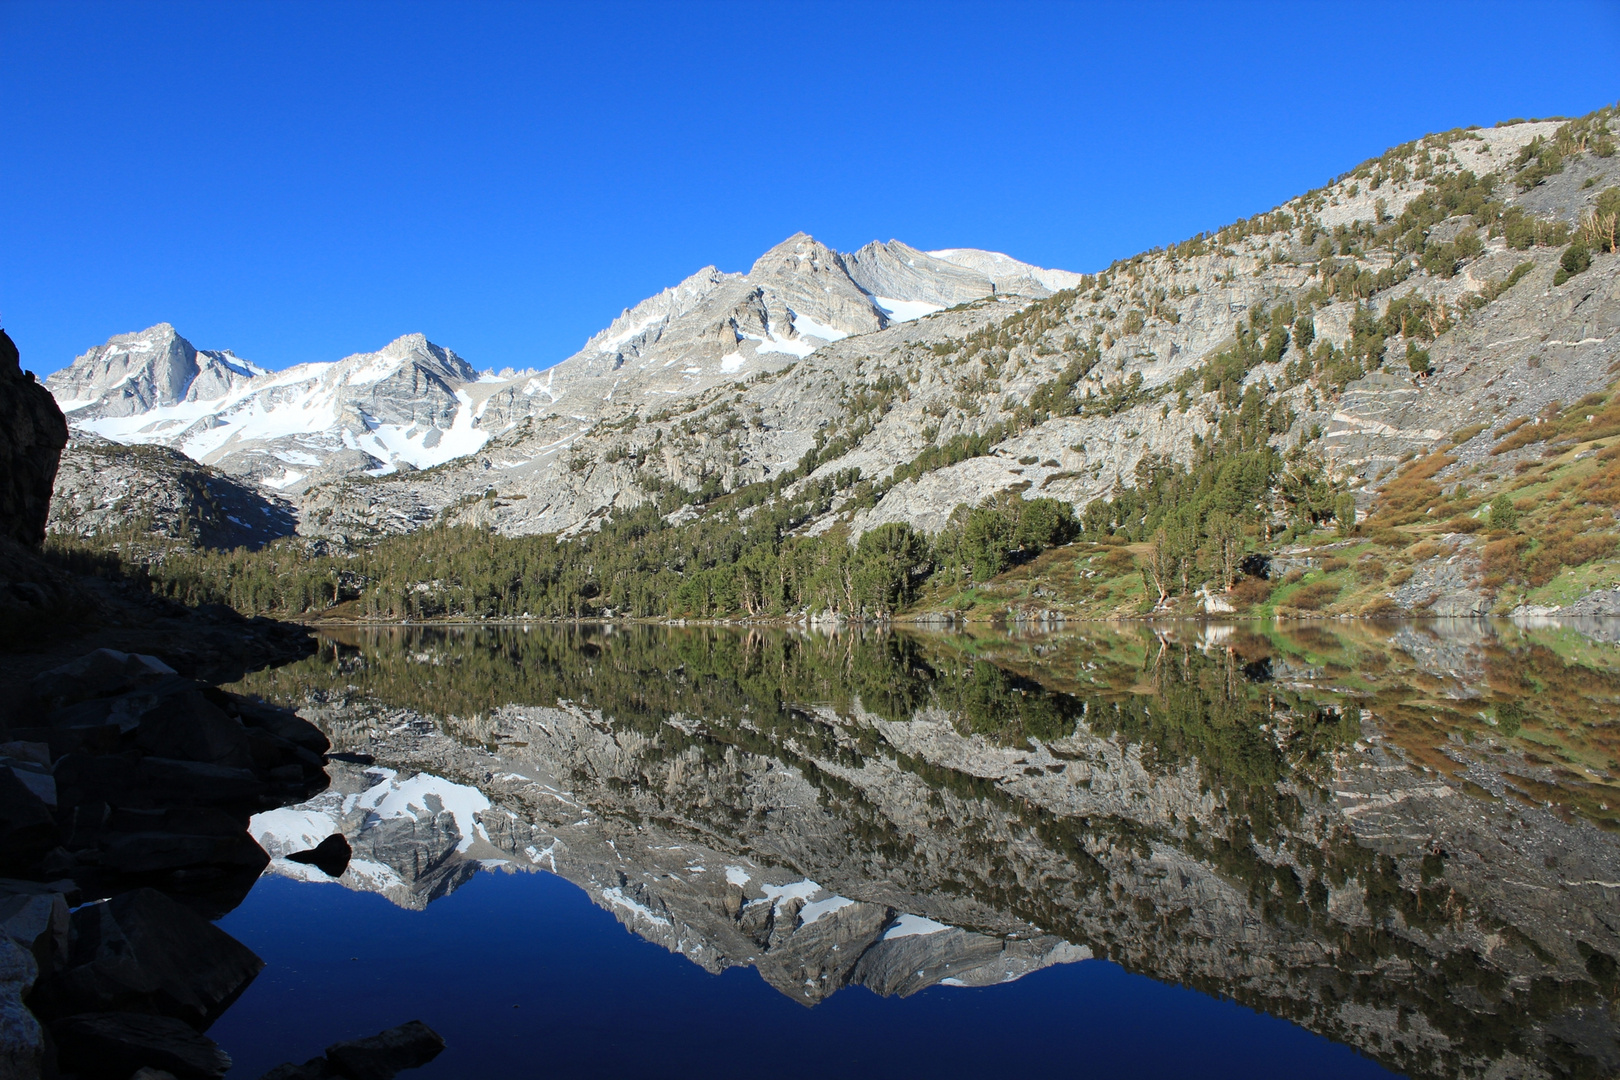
1327	849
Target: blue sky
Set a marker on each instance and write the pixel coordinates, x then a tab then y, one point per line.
301	181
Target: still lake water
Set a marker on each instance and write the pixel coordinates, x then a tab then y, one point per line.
1323	849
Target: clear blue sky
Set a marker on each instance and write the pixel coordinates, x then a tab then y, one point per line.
301	181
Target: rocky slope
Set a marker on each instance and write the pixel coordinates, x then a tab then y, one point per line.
104	489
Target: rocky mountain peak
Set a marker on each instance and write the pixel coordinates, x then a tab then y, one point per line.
132	374
414	349
812	282
897	271
799	253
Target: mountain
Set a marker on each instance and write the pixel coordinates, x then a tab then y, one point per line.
414	405
404	406
1396	349
1387	262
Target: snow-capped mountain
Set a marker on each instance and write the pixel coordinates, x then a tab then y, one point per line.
133	374
414	405
403	406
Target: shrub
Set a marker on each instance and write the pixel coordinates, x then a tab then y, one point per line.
1118	562
1576	258
1249	591
1315	596
1504	515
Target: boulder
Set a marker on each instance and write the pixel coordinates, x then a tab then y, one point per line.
22	1040
143	952
27	829
100	673
123	709
34	753
283	723
32	435
188	727
157	852
39	923
389	1052
34	778
167	781
112	1045
330	856
313	1069
379	1057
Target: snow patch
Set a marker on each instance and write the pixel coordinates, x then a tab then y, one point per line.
816	909
912	926
905	310
804	325
618	899
392	799
798	890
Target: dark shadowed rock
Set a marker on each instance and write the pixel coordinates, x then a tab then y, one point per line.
27	829
22	1040
283	723
188	727
143	952
100	673
389	1052
330	856
112	1045
32	435
197	783
155	852
379	1057
313	1069
39	923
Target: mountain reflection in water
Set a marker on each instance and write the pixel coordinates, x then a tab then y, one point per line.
1397	835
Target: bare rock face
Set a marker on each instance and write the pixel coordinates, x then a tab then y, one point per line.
32	435
105	488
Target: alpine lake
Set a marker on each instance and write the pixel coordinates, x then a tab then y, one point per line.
1266	849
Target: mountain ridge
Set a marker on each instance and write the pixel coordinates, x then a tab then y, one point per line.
425	405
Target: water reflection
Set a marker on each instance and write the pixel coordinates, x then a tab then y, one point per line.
1397	835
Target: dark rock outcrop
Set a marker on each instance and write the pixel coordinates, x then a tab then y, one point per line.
112	1045
143	952
330	856
32	435
119	777
379	1057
